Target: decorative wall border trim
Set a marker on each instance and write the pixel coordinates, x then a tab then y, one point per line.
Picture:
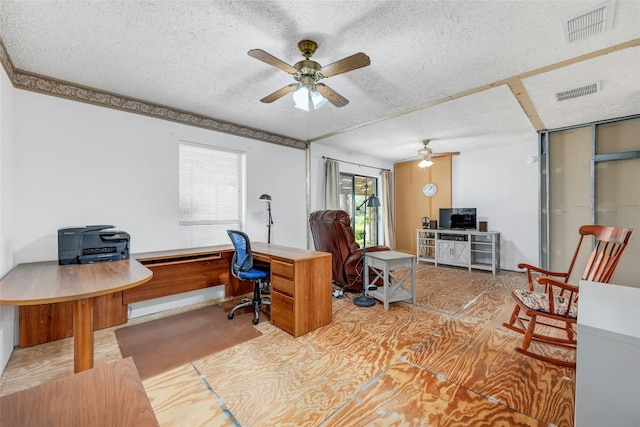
49	86
6	61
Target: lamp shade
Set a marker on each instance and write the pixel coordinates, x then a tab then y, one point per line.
317	99
301	98
373	202
306	95
265	197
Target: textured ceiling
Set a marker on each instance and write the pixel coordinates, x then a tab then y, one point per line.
432	74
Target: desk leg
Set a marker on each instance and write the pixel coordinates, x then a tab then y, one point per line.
82	334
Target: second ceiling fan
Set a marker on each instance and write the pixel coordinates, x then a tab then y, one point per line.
307	91
427	154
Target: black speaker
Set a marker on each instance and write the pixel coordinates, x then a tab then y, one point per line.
433	224
482	226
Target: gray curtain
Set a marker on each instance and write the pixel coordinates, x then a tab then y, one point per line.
387	206
331	185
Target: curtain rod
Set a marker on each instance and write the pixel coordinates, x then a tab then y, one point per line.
357	164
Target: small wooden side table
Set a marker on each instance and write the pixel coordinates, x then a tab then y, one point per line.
384	265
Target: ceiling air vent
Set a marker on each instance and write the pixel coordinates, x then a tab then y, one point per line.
588	23
578	92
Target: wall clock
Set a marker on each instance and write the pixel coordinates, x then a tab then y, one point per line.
430	190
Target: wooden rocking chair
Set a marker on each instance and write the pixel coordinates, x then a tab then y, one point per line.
556	299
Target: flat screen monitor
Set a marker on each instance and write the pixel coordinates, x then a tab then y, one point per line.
458	218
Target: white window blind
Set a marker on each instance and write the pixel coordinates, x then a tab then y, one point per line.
211	194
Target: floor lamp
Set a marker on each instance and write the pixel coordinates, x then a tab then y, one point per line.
267	198
373	202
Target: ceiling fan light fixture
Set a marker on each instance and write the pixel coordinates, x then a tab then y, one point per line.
425	163
301	98
317	99
305	96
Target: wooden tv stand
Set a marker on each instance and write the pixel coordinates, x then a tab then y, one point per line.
300	282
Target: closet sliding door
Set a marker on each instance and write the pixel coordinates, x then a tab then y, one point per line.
617	189
569	171
591	175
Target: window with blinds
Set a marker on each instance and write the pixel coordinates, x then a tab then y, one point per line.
211	194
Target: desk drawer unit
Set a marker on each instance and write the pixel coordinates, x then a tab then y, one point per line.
301	293
283	291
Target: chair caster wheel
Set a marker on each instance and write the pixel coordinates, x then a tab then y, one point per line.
255	321
230	316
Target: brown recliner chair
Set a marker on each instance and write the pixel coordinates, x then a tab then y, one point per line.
332	233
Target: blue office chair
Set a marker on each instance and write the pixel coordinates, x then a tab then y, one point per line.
242	268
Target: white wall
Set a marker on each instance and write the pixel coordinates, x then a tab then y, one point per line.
504	187
78	164
7	215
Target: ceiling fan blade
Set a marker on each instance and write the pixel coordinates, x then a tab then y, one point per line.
353	62
279	93
445	154
271	60
332	96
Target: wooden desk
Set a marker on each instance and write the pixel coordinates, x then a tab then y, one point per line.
47	282
109	395
301	278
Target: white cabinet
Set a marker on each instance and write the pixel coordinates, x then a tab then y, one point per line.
462	248
452	253
608	356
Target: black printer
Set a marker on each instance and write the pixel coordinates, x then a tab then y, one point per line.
92	243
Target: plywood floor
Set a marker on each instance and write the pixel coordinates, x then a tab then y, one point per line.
446	361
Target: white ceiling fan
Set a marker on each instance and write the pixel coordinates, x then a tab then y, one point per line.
427	155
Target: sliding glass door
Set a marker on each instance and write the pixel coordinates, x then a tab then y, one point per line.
354	190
